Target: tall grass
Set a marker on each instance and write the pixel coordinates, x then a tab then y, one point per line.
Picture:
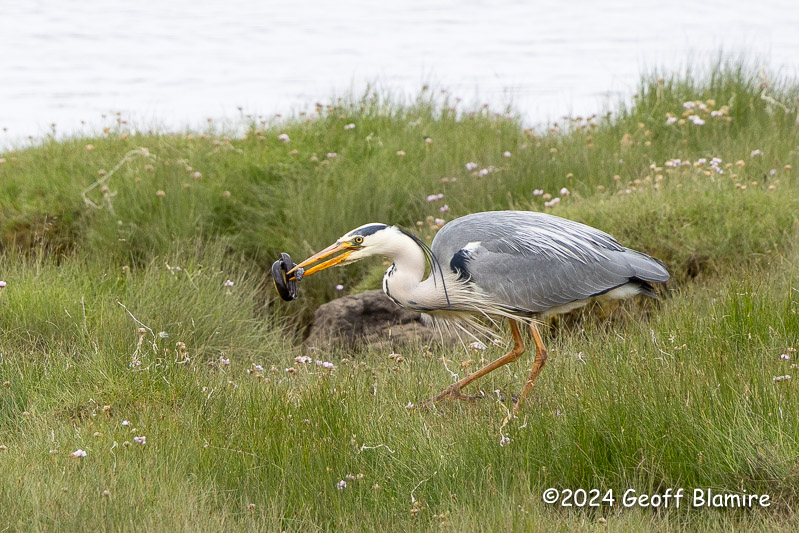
239	436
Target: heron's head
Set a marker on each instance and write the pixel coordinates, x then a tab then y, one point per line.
365	241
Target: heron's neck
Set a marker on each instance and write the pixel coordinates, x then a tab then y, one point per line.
403	280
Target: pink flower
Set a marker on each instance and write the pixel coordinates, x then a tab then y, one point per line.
506	154
283	137
471	166
552	203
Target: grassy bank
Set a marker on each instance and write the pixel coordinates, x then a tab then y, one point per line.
117	249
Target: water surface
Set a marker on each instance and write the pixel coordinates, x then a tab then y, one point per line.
177	63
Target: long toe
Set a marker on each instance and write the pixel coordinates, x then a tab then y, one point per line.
458	395
451	392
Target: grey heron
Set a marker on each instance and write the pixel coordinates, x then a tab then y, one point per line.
515	265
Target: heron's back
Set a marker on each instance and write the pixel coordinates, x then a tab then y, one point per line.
534	262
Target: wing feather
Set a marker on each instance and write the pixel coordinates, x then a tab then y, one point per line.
535	261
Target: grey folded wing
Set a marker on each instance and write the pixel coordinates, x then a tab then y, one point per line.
532	262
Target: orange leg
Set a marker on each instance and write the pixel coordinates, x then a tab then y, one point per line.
454	390
538	364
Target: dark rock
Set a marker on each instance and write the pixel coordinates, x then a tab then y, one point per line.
368	318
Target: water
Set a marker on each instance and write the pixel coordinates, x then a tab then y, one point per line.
174	64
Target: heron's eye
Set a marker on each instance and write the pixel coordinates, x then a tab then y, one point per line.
358	240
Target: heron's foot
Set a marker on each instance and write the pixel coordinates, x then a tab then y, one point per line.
453	393
518	401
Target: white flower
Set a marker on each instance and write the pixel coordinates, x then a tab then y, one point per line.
349	126
140	440
564	191
400	153
689	105
716	113
670	121
78	453
477	345
126	422
229	283
483	172
772	171
327	365
785	357
339	287
444	208
409	406
283	137
302	359
504	441
701	161
696	120
2	284
332	155
341	485
538	192
439	222
434	197
506	154
781	378
224	362
471	166
259	368
755	153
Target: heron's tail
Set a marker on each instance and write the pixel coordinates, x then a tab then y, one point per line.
647	269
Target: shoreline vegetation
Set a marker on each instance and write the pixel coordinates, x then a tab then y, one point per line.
152	380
